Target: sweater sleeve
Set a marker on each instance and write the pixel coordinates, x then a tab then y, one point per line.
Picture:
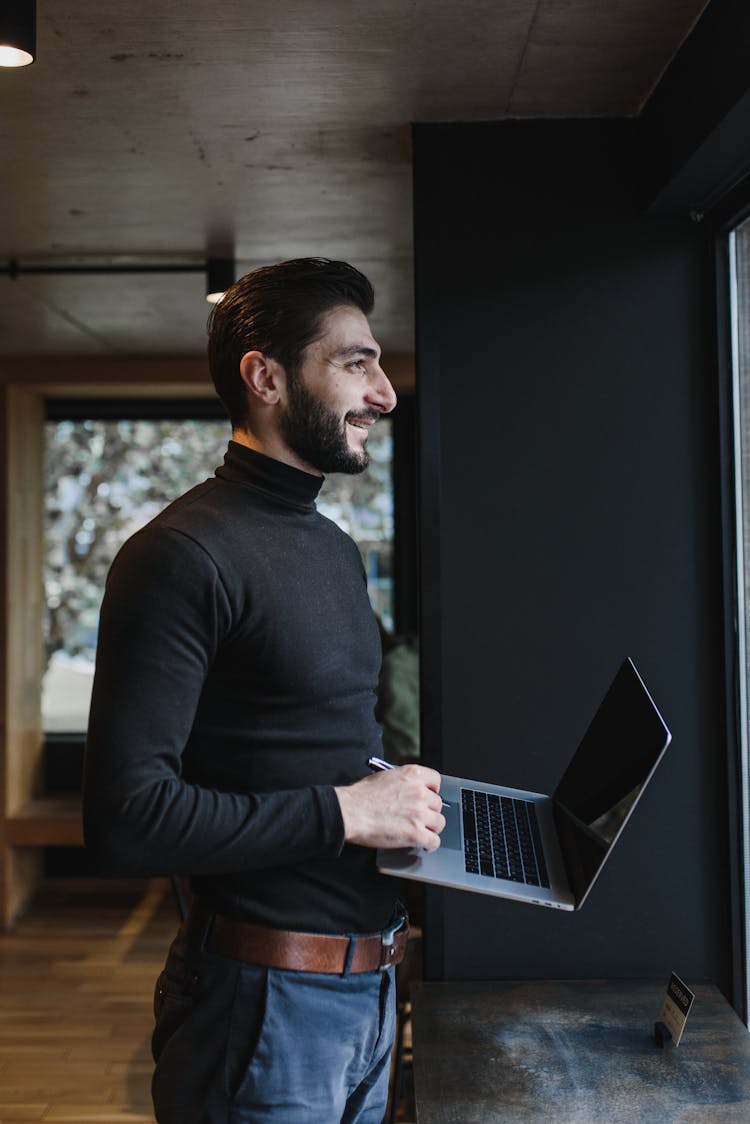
164	614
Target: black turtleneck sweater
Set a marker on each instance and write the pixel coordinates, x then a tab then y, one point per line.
235	684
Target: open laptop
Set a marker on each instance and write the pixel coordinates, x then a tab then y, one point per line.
548	850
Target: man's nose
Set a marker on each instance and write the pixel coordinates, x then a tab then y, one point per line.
380	392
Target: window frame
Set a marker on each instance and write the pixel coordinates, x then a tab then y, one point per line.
726	218
29	823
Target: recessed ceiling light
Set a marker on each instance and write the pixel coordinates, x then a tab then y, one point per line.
219	276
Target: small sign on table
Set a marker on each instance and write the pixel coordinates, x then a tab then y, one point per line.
677	1003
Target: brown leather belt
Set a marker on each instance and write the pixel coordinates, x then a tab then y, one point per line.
305	952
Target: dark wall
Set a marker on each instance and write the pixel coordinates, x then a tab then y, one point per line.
570	516
695	124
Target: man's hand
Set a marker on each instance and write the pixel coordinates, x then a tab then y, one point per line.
395	808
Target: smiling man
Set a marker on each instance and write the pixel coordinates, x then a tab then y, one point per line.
231	723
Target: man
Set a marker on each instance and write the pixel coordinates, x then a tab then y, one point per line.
231	723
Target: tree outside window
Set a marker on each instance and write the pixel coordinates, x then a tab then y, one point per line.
105	478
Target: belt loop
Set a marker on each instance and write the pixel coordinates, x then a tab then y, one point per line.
388	941
349	956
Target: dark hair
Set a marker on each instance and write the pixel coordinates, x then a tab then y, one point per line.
276	309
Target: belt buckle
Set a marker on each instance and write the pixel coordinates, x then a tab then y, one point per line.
388	942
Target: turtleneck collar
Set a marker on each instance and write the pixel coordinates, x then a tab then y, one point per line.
291	485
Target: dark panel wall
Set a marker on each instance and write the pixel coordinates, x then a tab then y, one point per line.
570	511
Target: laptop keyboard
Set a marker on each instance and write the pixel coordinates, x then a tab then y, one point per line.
502	838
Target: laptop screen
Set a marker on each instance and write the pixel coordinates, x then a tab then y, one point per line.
602	784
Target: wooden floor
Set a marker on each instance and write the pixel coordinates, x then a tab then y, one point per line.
76	983
76	987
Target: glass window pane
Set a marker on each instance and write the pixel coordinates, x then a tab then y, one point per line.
106	478
739	257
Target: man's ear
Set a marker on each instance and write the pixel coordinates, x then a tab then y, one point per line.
264	377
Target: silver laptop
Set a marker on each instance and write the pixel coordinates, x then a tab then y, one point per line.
548	850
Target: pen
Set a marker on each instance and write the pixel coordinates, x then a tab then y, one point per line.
379	763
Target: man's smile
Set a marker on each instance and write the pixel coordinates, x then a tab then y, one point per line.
363	420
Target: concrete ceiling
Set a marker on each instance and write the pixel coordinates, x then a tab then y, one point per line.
166	131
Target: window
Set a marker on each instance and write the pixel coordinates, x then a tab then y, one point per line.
106	476
739	292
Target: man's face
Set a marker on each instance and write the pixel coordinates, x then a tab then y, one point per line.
337	393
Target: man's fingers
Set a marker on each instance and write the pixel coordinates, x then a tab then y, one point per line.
430	841
435	822
394	808
428	777
435	803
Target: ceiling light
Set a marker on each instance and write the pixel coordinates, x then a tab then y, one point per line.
219	277
17	32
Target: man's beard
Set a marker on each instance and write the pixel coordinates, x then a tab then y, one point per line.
318	435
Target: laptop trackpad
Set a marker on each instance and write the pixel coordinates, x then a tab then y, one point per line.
450	837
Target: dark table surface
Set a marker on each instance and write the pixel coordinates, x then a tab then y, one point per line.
574	1051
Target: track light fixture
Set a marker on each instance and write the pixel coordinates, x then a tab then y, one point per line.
219	272
219	276
17	32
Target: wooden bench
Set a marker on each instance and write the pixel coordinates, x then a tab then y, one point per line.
50	821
